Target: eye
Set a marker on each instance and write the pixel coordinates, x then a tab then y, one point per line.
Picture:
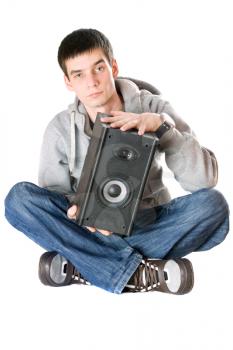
100	69
78	75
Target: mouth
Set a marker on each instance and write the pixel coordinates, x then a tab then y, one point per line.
95	94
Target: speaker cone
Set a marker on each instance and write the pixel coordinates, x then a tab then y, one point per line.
115	191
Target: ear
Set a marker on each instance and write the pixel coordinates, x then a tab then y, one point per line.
68	83
115	69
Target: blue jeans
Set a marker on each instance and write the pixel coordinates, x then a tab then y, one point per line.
195	222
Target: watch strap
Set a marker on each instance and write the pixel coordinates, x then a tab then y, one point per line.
164	127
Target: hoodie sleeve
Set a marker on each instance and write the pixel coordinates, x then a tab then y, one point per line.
194	166
54	167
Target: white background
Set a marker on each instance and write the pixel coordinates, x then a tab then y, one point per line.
185	49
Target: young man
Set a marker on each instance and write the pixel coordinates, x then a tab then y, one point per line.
165	230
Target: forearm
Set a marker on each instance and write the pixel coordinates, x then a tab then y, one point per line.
193	166
54	171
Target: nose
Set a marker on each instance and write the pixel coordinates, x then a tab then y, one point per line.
92	81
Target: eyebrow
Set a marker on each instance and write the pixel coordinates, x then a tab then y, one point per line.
80	70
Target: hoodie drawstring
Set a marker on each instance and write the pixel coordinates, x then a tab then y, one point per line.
72	143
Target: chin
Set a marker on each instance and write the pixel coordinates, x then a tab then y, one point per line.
99	104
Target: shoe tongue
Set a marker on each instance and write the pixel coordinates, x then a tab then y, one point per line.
144	277
149	275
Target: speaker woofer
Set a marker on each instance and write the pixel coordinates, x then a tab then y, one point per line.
115	191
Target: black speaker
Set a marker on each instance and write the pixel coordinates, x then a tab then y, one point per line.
113	177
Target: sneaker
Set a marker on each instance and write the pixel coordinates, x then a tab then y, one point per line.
168	276
56	271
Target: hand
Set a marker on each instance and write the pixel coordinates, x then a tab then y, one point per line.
72	213
144	122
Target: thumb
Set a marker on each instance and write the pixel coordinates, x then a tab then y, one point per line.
72	211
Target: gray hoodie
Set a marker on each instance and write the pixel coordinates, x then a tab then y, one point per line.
67	137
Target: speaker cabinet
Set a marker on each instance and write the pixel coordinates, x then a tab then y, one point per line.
113	177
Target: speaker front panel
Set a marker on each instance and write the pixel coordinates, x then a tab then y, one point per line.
117	181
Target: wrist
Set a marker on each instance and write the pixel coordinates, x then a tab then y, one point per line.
166	123
166	118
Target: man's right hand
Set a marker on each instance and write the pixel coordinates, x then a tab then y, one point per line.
72	213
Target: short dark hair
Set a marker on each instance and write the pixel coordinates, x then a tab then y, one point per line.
80	41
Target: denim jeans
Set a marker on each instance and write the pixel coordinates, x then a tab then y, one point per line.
195	222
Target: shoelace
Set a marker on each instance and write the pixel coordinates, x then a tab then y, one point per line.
78	278
145	277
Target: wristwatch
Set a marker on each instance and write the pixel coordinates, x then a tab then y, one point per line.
164	127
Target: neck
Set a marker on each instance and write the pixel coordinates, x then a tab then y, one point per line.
114	104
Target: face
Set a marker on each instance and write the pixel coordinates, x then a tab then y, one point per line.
91	77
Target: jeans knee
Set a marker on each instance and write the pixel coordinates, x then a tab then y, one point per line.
213	201
17	194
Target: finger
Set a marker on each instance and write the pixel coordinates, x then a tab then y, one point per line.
120	122
111	119
71	212
105	232
106	119
131	124
142	129
121	113
91	229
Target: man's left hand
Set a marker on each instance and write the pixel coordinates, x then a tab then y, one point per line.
144	122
